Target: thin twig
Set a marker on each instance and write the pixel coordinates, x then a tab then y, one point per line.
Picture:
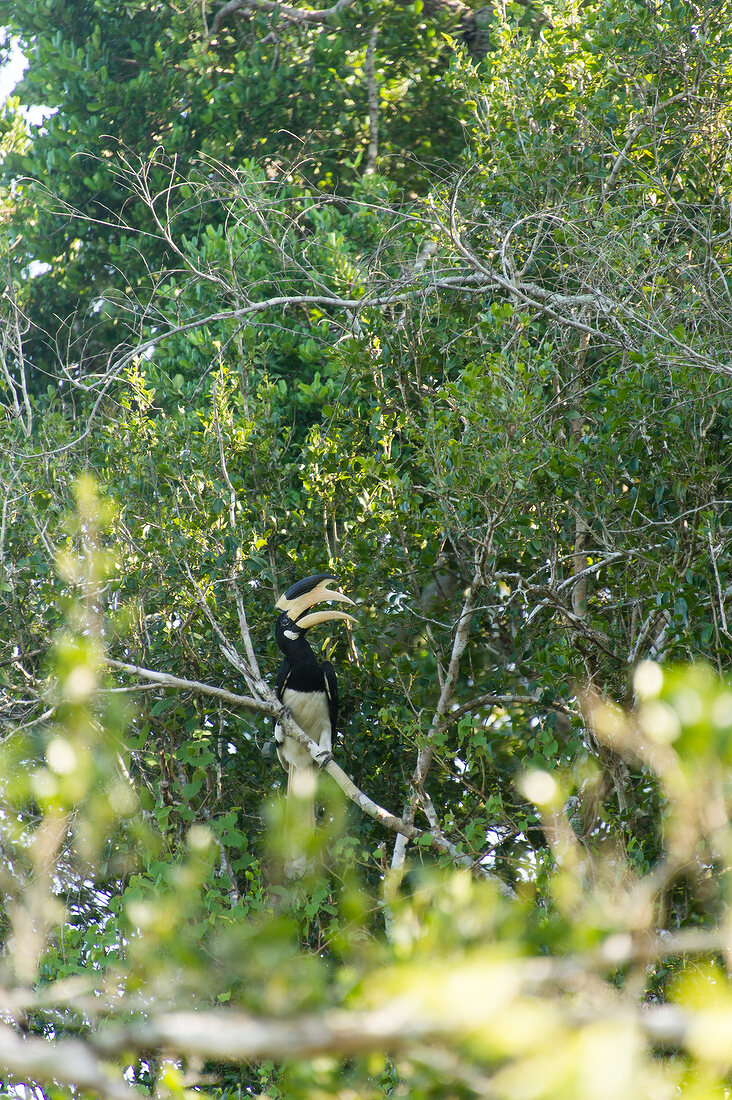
373	98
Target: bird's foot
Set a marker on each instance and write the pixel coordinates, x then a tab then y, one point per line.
284	712
323	759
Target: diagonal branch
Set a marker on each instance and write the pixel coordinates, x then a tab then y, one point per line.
269	704
404	827
165	679
646	118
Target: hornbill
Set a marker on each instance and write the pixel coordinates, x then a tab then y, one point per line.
307	687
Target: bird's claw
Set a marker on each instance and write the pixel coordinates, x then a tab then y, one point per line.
323	759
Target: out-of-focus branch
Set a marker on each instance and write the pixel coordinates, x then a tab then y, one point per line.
236	1037
400	1023
69	1062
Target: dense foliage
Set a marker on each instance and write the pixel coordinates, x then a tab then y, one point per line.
437	297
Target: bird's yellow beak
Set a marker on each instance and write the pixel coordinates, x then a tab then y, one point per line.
304	594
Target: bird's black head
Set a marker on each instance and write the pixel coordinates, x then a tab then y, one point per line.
287	632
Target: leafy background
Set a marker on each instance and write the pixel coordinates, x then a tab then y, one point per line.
437	297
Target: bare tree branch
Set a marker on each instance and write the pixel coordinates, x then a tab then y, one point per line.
426	751
69	1062
269	704
645	120
491	700
400	1023
373	98
311	16
165	679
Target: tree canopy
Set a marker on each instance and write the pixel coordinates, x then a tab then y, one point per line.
436	297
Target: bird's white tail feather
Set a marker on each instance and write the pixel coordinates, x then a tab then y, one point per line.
301	784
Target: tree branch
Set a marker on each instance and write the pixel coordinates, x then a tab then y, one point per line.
373	97
491	700
236	1037
426	752
165	679
69	1062
271	705
312	16
646	119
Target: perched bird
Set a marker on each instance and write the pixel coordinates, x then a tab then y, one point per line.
307	687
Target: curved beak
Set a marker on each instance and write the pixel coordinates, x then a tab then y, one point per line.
324	617
304	594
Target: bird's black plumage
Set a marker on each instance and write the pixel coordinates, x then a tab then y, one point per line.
309	690
300	672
